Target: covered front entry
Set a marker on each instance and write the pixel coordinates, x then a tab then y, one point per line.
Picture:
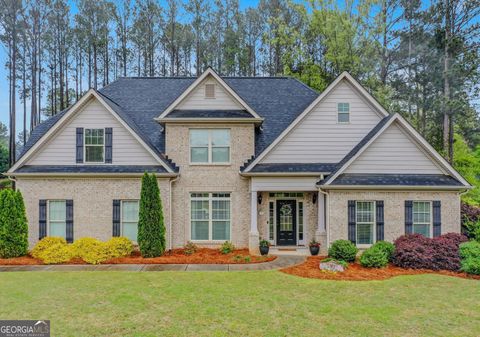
286	222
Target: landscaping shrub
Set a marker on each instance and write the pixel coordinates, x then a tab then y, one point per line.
470	254
471	266
57	253
190	248
151	227
13	224
343	250
387	247
90	250
227	247
418	252
119	247
45	244
374	257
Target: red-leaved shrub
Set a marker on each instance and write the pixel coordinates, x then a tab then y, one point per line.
470	213
418	252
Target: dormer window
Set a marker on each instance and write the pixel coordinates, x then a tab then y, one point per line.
94	145
343	110
209	90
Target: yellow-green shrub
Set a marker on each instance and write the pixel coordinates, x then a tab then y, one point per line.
57	253
83	246
45	244
119	247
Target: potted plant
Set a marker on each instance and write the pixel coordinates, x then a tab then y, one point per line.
314	246
264	247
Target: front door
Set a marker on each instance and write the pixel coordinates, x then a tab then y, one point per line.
286	222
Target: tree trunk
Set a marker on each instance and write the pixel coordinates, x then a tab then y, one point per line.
446	84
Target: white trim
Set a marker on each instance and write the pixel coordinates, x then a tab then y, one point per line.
284	174
345	75
95	145
427	148
68	115
210	120
393	187
210	198
338	113
206	73
303	199
92	174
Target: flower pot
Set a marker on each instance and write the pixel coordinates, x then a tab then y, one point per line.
264	250
314	250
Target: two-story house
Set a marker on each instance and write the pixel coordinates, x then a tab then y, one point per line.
237	159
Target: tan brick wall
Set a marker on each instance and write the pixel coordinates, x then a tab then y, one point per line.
211	178
92	201
394	212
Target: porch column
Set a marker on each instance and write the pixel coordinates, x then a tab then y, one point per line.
321	231
253	237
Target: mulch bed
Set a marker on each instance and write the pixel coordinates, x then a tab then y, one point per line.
176	256
355	272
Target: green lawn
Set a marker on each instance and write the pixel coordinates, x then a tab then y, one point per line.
240	304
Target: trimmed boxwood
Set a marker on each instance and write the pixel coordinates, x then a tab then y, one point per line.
374	257
343	250
387	247
13	224
470	254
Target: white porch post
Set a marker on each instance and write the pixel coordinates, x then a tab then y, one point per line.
254	236
321	232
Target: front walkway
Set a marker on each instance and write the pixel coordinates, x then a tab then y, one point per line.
282	261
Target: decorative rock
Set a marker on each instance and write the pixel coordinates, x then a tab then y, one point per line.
332	266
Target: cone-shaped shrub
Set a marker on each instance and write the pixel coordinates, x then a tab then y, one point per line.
13	225
151	227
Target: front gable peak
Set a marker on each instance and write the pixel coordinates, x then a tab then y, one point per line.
209	97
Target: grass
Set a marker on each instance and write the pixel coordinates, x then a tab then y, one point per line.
240	304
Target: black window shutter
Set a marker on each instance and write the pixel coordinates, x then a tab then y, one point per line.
408	216
352	230
42	219
79	145
380	220
437	218
116	218
69	229
108	145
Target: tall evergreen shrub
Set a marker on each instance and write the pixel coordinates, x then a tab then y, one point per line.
151	227
13	224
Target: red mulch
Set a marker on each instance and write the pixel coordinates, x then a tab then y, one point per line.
176	256
355	272
202	256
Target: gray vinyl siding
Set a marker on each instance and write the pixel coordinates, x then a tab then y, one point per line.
60	150
319	138
196	99
394	152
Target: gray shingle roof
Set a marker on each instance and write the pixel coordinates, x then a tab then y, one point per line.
209	114
294	167
395	180
91	169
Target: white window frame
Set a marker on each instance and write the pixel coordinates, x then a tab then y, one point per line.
430	224
299	197
338	113
48	215
210	147
214	91
85	146
210	199
121	215
374	223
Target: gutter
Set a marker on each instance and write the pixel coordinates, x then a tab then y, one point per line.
97	175
170	206
282	174
394	187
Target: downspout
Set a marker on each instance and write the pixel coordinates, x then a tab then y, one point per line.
14	182
327	215
170	226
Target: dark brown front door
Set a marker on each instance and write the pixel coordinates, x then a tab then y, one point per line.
286	222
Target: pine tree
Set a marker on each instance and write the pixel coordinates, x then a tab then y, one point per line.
13	225
151	227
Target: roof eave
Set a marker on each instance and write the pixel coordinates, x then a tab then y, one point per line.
92	174
283	174
209	120
393	187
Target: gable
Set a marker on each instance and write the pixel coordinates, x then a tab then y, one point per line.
318	137
60	149
394	152
196	99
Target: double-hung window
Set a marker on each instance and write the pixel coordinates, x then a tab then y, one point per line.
210	146
129	219
210	216
57	218
343	110
365	219
94	145
422	217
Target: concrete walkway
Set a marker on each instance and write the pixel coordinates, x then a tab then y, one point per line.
280	262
